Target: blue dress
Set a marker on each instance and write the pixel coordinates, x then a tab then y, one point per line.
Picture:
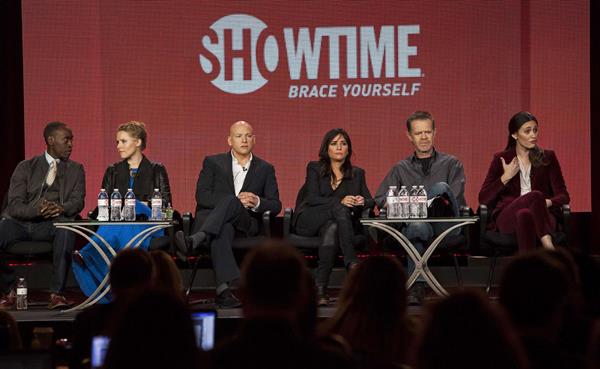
95	269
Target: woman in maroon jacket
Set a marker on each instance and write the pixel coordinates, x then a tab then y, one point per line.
524	186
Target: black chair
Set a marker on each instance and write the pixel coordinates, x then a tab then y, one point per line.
239	243
495	244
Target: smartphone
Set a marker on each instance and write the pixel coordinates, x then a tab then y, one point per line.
99	348
204	328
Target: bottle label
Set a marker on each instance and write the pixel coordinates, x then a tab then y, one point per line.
21	291
129	202
157	202
115	203
403	199
422	198
414	199
102	202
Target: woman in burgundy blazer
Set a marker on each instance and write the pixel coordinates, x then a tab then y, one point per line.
524	186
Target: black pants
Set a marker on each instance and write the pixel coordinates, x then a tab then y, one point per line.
12	231
335	226
226	220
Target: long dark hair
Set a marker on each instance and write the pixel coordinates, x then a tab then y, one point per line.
324	155
536	155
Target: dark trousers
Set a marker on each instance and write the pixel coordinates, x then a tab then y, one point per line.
335	226
226	220
527	217
12	231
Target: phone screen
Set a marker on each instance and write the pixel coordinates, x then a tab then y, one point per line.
204	328
99	348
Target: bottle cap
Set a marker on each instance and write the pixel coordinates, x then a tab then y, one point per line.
102	189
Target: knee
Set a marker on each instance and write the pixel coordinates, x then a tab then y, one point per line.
536	197
329	235
439	188
340	211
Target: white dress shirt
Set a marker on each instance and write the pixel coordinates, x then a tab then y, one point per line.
524	174
239	173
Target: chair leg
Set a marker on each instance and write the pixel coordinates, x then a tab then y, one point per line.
491	274
457	271
192	277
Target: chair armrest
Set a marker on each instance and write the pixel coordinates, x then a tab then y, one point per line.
383	213
566	219
187	222
483	218
266	223
367	213
465	211
287	221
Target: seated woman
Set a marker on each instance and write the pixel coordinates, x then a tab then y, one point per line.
134	171
524	186
330	204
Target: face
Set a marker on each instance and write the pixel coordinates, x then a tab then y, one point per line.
241	138
526	136
421	135
127	145
338	149
60	144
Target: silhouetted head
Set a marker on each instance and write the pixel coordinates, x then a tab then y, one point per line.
166	275
464	331
130	272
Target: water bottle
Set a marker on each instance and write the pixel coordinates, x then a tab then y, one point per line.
156	205
115	206
21	294
103	206
391	202
413	199
403	203
422	195
168	212
128	212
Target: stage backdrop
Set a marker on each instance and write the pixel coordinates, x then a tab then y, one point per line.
189	69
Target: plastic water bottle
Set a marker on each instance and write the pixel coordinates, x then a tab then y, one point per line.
391	202
168	212
422	200
103	206
128	211
21	294
403	203
156	205
414	202
115	206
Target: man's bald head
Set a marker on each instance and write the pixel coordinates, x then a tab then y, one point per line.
241	138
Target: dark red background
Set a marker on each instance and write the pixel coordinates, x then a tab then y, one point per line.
97	64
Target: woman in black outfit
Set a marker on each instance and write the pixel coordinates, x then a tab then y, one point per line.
330	204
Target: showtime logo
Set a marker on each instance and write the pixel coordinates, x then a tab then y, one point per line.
239	58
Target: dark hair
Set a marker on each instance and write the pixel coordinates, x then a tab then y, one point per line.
275	266
324	155
52	127
419	115
132	268
136	130
466	331
371	313
536	155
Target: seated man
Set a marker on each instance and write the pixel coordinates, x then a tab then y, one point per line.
43	189
441	174
233	190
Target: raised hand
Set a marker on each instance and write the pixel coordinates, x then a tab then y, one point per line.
510	170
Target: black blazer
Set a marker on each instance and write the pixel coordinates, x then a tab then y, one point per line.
216	181
26	188
149	176
317	190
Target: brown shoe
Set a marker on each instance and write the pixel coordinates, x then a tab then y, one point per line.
58	301
8	301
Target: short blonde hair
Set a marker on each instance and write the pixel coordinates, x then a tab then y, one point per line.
136	130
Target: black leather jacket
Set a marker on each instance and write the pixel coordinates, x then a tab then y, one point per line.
149	176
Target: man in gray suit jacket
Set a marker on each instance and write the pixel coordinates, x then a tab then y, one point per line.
43	189
233	190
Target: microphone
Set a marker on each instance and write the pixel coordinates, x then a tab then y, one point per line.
244	169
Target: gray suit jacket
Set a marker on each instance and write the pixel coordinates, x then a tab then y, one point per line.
26	184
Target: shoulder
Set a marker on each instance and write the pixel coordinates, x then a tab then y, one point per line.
261	162
550	155
217	158
449	158
74	164
313	165
358	171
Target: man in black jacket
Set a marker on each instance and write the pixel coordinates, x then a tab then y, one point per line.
43	189
233	190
